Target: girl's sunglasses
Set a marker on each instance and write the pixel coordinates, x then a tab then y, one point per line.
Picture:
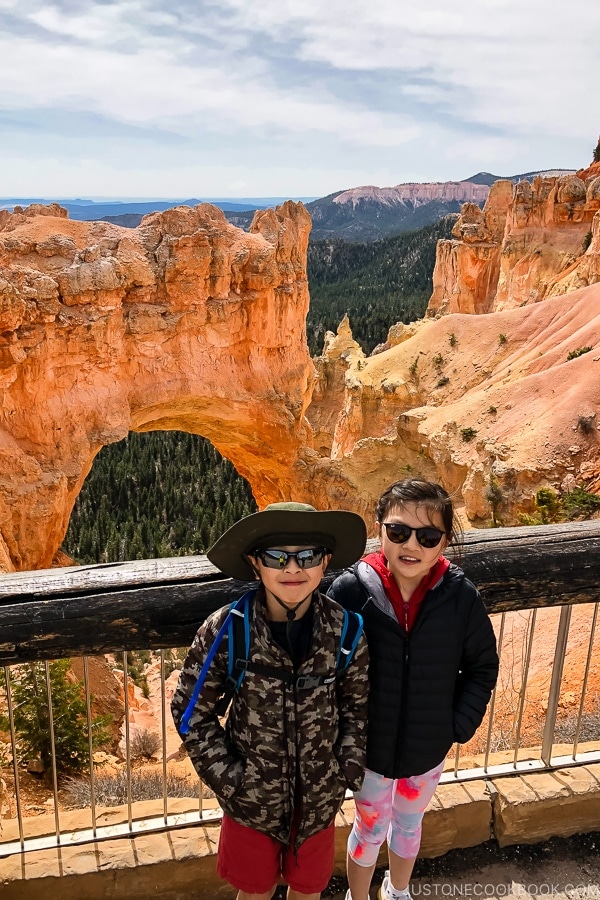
278	559
399	533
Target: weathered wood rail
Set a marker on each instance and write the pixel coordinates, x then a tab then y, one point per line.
154	604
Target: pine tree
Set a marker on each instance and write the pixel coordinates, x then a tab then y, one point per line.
32	719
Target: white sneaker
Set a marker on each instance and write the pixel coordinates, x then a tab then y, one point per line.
387	892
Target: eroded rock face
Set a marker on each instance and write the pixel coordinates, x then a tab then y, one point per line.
416	193
183	323
473	402
525	245
188	323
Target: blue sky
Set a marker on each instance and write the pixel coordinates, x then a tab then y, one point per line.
149	98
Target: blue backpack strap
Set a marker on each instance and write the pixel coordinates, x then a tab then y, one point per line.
351	631
238	635
241	604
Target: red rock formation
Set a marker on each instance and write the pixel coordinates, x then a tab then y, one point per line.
188	323
526	244
184	323
466	270
470	400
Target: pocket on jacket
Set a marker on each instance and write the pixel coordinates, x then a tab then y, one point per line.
326	778
261	796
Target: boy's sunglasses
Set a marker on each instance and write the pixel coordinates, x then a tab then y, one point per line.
278	559
399	533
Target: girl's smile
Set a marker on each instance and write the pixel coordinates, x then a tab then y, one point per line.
410	562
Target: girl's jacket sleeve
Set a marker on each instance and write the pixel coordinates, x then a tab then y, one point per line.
478	672
212	755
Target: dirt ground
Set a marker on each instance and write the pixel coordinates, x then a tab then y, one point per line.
560	868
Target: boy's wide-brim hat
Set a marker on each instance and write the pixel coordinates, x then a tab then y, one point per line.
289	524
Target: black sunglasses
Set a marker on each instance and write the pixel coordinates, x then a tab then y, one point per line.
278	559
399	533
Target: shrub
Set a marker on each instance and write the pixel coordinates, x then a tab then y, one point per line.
438	362
579	352
144	743
468	434
548	503
452	339
502	338
586	424
174	659
580	503
110	789
492	410
443	380
552	507
586	241
413	366
589	726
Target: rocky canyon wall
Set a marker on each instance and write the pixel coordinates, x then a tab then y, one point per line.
526	244
475	402
189	323
494	393
183	323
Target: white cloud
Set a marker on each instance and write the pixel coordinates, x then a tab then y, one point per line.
526	65
410	89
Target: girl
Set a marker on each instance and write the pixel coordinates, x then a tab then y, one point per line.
433	666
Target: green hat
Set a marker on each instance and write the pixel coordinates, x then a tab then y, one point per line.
289	524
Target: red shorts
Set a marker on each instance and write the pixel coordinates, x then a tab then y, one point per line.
254	862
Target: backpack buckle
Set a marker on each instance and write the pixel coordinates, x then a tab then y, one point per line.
231	684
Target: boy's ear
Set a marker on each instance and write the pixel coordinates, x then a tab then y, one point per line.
252	560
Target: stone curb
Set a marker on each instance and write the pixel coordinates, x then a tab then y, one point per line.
179	865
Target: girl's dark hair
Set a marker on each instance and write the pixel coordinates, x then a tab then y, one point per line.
426	493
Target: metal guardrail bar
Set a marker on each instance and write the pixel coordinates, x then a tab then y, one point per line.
537	761
88	611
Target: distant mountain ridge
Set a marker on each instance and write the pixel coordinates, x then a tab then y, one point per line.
112	210
367	213
489	179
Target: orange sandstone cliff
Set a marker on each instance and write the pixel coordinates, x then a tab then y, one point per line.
184	323
189	323
471	401
528	243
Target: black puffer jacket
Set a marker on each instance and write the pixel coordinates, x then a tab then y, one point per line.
430	687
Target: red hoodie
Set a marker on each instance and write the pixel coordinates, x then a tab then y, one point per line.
406	611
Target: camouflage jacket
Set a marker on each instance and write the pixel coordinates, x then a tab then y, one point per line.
280	745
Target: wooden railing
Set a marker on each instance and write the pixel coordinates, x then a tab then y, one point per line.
159	603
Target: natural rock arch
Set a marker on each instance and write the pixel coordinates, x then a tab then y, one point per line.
183	323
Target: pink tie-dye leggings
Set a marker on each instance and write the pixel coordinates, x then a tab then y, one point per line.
393	809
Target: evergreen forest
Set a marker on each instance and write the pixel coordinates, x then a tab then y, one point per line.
169	493
377	283
165	493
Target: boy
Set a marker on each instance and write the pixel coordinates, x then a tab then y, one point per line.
294	739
